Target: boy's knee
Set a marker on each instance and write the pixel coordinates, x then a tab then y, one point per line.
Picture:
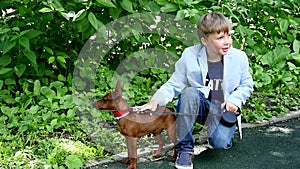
190	92
220	143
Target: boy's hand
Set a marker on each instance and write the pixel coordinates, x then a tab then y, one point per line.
230	106
152	105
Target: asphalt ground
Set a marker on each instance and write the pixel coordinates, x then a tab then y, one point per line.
275	146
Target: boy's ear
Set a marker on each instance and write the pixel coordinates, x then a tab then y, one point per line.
204	41
118	87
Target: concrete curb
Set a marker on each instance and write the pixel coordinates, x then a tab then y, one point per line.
288	116
145	153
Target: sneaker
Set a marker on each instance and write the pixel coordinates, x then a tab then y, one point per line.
184	160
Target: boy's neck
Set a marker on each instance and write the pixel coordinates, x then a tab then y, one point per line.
214	58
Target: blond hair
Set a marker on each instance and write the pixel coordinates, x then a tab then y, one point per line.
213	22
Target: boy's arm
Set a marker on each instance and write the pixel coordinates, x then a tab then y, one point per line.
173	86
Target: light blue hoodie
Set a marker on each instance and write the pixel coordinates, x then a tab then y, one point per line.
191	70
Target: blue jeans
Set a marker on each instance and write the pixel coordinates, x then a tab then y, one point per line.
192	105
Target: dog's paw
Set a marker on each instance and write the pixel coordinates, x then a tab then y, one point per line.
156	155
126	161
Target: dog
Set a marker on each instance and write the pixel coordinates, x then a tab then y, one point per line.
135	125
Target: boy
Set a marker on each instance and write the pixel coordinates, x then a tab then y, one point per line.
208	77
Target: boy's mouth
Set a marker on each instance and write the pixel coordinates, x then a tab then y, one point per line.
225	50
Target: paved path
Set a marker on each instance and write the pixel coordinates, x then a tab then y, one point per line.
275	146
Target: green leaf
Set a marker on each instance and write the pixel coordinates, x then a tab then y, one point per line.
32	33
250	41
71	113
65	15
14	122
152	6
5	70
106	3
267	58
115	12
20	69
62	54
5	60
45	10
51	59
24	42
1	84
292	66
31	56
26	103
7	46
287	78
73	161
57	84
61	78
169	8
10	81
127	5
263	79
61	61
53	123
188	2
49	93
283	24
16	29
45	103
296	46
296	57
162	2
49	128
79	15
5	110
37	88
26	1
94	21
33	109
181	14
49	50
276	58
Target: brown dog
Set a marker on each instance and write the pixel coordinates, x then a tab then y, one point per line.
135	125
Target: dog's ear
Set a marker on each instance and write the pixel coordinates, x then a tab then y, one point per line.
118	87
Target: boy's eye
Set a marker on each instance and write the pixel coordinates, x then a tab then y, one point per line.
223	36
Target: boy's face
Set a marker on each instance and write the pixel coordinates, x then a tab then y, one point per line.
218	43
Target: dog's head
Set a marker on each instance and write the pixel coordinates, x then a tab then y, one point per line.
111	100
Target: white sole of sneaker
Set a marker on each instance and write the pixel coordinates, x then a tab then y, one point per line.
183	167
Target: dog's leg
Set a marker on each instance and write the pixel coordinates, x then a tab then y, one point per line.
172	134
126	160
132	151
161	143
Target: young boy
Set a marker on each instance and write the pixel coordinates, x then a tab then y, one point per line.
208	77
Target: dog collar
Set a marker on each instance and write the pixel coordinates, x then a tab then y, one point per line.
120	114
